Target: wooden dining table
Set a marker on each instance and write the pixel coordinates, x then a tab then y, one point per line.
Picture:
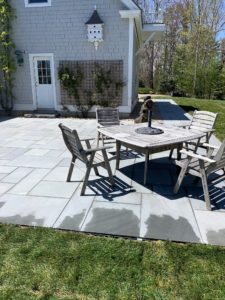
172	137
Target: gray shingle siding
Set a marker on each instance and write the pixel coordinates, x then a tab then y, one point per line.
60	29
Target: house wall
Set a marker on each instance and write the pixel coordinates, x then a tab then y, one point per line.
60	29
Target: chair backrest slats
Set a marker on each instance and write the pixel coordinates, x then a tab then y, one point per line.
73	142
107	116
203	120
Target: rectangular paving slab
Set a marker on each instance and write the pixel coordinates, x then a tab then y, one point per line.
28	210
75	212
212	226
168	219
111	218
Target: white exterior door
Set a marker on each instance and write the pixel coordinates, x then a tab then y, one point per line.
43	82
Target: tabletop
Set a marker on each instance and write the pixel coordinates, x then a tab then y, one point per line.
171	135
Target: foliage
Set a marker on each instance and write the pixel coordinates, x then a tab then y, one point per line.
71	80
188	54
7	62
41	263
144	90
107	87
86	103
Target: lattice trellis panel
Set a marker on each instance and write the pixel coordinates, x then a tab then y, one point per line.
88	68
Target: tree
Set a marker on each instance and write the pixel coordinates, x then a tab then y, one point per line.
188	58
7	62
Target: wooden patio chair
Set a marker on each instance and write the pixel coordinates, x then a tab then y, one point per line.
202	166
90	156
203	121
106	117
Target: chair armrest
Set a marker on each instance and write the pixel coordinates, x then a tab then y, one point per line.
87	139
200	157
97	149
210	146
210	130
99	125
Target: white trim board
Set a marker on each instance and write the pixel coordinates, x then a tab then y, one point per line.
130	4
130	61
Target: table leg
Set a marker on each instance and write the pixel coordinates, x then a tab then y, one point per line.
179	147
146	167
118	146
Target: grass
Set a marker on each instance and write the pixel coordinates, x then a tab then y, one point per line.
40	263
190	104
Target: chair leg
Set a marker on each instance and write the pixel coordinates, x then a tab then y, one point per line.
205	185
89	166
181	176
96	171
71	169
98	137
107	165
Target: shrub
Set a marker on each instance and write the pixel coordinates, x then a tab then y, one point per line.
145	90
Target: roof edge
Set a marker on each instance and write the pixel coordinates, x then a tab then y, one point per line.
130	4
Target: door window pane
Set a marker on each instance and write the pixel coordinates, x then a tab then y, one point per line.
44	72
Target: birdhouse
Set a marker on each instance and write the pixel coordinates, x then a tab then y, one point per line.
95	29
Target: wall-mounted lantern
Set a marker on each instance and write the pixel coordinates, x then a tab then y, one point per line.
19	57
95	29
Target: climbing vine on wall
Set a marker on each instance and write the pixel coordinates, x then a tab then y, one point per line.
71	80
88	83
107	87
7	62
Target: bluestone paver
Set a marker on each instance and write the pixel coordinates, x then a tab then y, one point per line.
54	189
74	214
111	218
17	175
29	182
169	219
29	210
211	226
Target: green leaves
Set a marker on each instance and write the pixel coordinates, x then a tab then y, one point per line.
7	62
71	80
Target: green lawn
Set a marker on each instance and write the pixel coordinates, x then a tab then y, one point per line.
40	263
190	104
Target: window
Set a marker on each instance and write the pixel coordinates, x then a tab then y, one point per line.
44	72
37	3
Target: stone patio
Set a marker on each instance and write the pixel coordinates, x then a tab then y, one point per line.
33	168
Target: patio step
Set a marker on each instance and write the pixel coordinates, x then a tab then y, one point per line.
49	114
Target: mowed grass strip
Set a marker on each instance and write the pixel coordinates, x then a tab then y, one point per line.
190	104
40	263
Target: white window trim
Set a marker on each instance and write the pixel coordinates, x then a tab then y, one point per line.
27	4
